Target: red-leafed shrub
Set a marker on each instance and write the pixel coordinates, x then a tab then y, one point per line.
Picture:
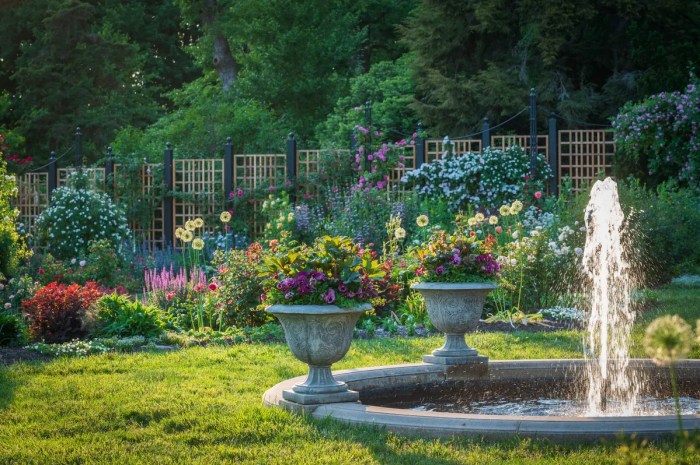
57	312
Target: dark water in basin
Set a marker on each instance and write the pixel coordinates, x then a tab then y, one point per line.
537	397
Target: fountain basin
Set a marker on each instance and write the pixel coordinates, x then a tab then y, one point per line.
379	382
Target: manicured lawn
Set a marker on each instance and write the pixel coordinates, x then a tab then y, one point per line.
203	405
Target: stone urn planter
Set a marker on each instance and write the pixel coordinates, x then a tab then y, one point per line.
318	335
454	309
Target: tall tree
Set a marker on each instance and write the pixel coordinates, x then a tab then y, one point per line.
585	58
98	64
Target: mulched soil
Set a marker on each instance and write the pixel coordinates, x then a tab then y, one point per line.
10	355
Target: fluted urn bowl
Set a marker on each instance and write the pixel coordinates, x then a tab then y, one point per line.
454	309
319	335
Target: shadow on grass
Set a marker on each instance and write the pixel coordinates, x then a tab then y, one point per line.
7	387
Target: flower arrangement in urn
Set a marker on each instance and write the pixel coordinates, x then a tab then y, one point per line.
465	255
318	293
334	270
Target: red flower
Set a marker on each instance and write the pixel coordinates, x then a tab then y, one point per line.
212	286
41	271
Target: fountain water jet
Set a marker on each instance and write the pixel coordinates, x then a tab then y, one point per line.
612	387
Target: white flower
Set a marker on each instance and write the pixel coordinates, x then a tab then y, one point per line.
578	251
72	261
8	305
82	263
513	262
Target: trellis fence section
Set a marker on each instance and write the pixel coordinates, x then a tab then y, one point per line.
201	187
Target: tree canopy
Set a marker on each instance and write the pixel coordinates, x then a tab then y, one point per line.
133	72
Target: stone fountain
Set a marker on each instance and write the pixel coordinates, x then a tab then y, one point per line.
597	397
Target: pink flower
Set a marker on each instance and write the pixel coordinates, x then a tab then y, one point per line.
263	297
212	287
538	195
499	229
272	188
240	193
230	195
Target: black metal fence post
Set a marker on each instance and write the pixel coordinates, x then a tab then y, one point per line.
79	148
485	133
553	154
368	146
168	226
533	133
53	174
228	169
109	172
292	165
420	147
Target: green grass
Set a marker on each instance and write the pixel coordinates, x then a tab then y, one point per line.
203	406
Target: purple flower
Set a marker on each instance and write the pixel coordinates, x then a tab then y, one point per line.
456	259
342	288
329	296
440	270
289	295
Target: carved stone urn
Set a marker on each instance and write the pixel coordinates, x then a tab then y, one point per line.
318	335
454	309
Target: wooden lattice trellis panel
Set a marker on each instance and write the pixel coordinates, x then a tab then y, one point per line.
32	198
200	188
584	154
434	148
152	234
255	170
96	177
307	166
502	142
407	162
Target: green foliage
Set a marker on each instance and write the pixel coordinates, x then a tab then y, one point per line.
389	87
662	224
12	248
97	65
117	315
203	118
78	216
658	139
13	330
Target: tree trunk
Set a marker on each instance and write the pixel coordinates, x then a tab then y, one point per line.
222	58
223	62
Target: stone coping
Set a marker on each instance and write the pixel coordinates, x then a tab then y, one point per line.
454	286
446	425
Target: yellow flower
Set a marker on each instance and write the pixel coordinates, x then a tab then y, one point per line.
517	206
422	221
198	244
279	225
198	222
186	236
189	225
479	217
400	233
178	233
504	210
493	220
290	217
471	221
225	217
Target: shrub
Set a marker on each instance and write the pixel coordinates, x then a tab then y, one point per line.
13	331
665	224
77	216
59	313
117	315
657	139
241	287
12	248
478	180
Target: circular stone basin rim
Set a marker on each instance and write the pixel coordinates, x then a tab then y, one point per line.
446	425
